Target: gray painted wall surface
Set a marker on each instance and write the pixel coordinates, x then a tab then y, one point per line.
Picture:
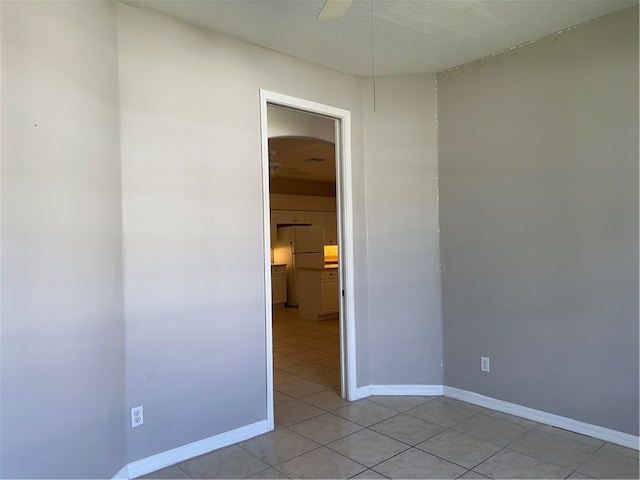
539	224
193	226
62	338
405	326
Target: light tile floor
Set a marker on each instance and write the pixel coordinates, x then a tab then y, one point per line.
319	435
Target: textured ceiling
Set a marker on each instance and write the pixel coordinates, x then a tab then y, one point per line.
411	36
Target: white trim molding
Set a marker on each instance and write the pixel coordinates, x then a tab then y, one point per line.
423	390
602	433
185	452
344	197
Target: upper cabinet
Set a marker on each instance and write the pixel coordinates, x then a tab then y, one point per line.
326	220
292	217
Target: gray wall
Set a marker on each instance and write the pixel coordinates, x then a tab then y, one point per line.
539	224
405	326
62	337
193	226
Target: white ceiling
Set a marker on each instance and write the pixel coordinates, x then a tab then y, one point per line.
412	36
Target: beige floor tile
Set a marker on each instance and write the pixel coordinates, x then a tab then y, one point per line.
331	350
606	464
491	429
367	447
511	418
459	448
459	403
306	368
280	377
318	342
279	398
442	413
300	388
578	476
571	435
315	354
401	403
173	471
332	361
553	449
290	349
510	464
471	475
269	473
326	428
278	446
369	474
229	462
407	429
327	399
320	463
286	361
289	413
620	450
365	413
414	463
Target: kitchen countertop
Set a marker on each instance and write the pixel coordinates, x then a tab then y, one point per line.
327	266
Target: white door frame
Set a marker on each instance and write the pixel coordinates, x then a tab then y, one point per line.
344	209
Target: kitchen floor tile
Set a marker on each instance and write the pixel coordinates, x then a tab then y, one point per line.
280	377
320	463
365	413
606	464
510	464
278	446
407	429
553	449
367	447
327	399
315	354
295	411
300	388
491	429
326	428
459	448
286	361
229	462
414	463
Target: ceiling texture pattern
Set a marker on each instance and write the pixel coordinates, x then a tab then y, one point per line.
411	36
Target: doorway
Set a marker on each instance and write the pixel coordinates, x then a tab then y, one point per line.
345	325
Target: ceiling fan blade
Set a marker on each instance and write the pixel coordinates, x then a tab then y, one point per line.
334	9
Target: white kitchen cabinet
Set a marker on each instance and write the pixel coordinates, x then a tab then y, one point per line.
292	217
319	293
278	285
328	221
329	292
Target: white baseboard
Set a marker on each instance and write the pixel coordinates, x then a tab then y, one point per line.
431	390
565	423
123	474
185	452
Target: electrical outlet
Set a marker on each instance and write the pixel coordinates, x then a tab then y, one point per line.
485	364
137	417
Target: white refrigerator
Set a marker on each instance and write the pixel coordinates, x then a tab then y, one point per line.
298	246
